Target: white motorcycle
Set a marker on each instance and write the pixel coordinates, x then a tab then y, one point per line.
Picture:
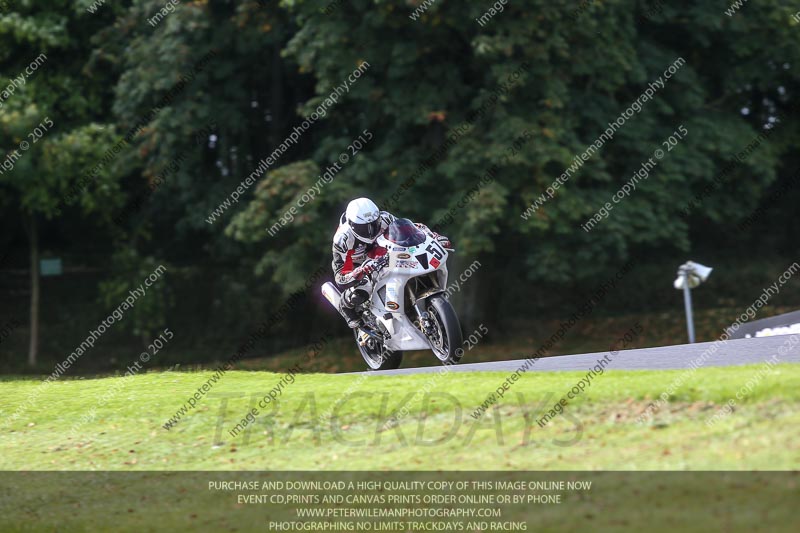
407	309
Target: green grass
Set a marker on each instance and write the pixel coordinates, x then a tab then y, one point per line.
598	430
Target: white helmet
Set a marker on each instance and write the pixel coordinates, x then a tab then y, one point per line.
364	218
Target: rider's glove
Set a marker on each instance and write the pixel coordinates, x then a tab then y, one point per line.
444	242
441	239
364	270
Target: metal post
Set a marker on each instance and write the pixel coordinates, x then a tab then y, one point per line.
687	300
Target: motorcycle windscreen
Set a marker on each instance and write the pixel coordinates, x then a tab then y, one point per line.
403	232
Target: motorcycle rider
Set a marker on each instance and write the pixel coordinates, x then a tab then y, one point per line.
355	252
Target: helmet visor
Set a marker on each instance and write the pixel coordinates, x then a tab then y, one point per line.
368	230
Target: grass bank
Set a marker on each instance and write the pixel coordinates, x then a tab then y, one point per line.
420	422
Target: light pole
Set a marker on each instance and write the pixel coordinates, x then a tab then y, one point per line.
690	275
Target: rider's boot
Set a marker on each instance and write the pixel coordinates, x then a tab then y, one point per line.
352	298
352	316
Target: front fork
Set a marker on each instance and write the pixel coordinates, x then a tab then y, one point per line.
425	324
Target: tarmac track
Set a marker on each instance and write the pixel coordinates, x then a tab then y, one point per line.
732	352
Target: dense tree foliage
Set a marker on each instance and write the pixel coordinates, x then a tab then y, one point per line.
155	125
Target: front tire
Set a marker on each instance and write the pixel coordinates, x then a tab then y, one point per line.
447	339
379	358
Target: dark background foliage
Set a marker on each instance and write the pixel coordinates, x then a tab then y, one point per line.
256	69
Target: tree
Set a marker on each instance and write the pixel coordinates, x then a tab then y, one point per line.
54	153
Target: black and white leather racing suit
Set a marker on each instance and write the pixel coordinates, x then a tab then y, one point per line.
349	253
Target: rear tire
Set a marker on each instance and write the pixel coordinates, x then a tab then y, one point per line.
448	350
379	358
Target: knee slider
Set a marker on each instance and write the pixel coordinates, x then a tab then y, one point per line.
355	296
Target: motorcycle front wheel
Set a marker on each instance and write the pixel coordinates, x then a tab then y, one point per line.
378	357
446	338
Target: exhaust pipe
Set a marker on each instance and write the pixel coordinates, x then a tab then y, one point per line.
332	294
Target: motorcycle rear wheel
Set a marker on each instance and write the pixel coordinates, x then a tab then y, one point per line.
379	358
